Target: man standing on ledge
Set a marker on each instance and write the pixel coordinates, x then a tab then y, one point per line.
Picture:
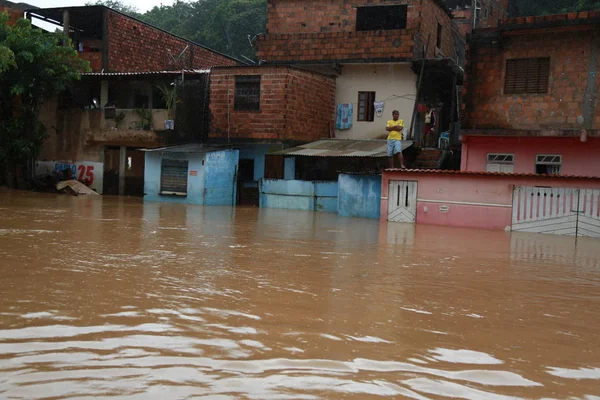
395	127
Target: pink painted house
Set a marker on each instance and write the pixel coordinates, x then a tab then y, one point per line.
530	136
531	97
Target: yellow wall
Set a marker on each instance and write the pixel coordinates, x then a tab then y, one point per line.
394	83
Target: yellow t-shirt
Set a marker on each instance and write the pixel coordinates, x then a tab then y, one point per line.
395	135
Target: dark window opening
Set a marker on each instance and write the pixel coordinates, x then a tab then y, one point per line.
173	177
366	107
140	99
158	102
247	93
246	170
527	75
375	18
438	42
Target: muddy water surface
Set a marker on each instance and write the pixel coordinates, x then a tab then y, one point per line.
109	297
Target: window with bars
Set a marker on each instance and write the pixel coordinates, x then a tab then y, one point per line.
500	163
173	177
527	75
375	18
548	164
247	93
366	106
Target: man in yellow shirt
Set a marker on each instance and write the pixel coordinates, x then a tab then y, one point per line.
395	128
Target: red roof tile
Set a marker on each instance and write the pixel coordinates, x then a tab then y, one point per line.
483	173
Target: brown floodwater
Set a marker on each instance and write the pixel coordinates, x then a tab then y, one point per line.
110	297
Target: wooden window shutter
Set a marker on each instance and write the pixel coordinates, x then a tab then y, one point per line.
527	75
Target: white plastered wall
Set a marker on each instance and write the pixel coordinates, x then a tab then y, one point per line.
396	84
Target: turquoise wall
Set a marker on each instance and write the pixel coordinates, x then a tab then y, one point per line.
359	196
212	184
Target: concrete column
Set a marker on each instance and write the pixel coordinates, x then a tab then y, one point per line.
103	93
66	23
289	168
122	169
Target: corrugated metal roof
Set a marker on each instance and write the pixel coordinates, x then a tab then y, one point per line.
187	148
342	148
144	73
483	173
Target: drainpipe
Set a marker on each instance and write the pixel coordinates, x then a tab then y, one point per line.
473	14
589	99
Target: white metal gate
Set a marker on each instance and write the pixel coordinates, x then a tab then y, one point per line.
402	201
560	211
588	218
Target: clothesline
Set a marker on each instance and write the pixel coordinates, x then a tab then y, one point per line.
392	97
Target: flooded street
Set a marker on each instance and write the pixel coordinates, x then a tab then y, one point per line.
108	297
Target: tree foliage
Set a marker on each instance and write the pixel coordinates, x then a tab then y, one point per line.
545	7
116	5
34	65
222	25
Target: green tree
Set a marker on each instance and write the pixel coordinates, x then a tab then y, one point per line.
545	7
34	66
116	5
222	25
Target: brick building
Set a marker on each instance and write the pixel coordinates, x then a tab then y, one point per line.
531	96
114	42
476	14
375	49
270	104
14	10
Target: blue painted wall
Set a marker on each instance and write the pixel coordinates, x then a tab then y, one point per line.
258	153
195	191
326	194
214	183
298	195
359	196
221	177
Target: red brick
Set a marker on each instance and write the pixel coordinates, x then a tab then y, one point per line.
295	105
558	109
312	27
134	46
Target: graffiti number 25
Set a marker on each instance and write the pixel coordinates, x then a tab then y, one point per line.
86	174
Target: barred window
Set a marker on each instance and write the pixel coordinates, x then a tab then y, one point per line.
527	75
247	93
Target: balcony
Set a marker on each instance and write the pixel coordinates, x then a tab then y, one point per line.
128	128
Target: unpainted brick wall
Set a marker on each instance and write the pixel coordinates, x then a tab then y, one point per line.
431	16
134	46
326	30
13	13
320	16
492	11
294	105
487	107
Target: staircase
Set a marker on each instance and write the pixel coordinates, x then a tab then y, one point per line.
427	159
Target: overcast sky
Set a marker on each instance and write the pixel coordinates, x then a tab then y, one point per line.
141	5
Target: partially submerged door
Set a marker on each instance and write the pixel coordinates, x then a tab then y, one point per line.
402	201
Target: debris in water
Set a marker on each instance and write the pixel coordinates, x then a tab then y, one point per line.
74	187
